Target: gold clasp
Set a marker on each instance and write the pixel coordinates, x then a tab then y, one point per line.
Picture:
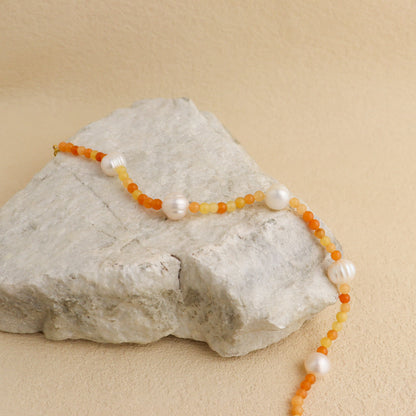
55	149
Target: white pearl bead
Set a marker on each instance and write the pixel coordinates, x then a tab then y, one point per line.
111	161
277	196
175	206
318	364
341	271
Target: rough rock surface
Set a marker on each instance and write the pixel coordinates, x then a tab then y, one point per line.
79	258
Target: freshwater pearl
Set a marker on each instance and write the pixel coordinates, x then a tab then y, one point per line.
175	206
111	161
341	271
277	196
318	364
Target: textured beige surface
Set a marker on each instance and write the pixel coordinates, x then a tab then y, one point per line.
322	95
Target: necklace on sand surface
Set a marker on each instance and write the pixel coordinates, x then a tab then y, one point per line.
176	206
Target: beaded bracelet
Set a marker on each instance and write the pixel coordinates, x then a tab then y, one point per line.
175	206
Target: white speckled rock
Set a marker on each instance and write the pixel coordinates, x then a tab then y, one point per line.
79	258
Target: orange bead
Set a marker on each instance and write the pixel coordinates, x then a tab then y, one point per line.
344	298
87	153
194	207
310	378
332	334
157	204
141	198
249	199
302	393
99	156
222	207
336	255
297	410
68	147
81	150
74	150
319	233
297	401
131	187
313	224
308	216
148	202
62	146
322	350
305	385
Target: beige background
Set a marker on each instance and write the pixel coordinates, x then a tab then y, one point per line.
322	95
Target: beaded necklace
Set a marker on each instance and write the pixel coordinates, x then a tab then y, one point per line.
175	206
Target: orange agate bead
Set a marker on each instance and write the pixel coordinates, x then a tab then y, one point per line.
336	255
157	204
249	199
313	224
132	187
194	207
148	202
99	156
322	350
308	216
222	207
141	198
344	297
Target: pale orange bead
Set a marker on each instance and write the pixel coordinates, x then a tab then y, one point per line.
297	401
259	196
249	199
297	411
345	307
344	288
194	207
332	334
239	202
81	150
330	247
62	146
294	202
301	209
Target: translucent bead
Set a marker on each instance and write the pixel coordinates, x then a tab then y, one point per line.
204	208
326	342
259	196
93	154
222	207
342	316
249	199
301	209
341	271
231	206
239	202
297	401
213	207
294	202
325	240
345	307
330	248
337	326
136	194
344	288
194	207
